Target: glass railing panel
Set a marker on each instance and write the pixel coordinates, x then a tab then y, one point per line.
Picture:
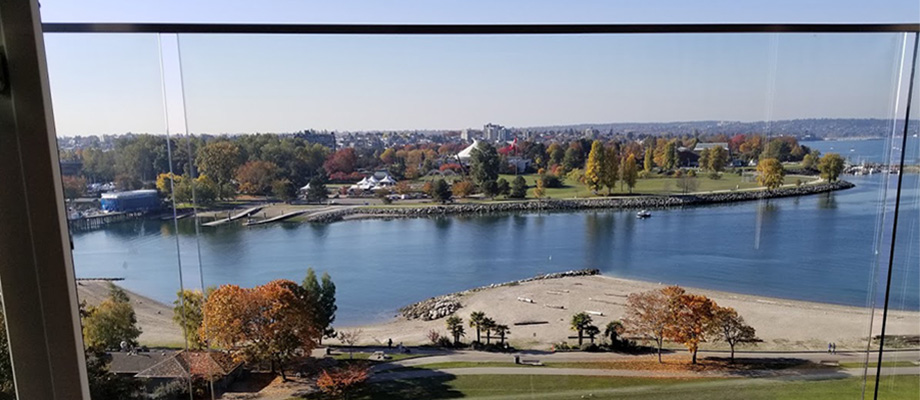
351	155
900	360
113	126
797	268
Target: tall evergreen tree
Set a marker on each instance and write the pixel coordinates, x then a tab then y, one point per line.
484	163
327	305
649	160
611	168
313	292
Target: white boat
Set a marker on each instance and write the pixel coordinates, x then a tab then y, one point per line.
643	214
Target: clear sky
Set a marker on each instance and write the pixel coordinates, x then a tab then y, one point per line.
251	83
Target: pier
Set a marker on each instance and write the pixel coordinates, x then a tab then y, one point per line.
98	221
245	213
281	217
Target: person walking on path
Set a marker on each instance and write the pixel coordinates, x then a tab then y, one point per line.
834	348
829	347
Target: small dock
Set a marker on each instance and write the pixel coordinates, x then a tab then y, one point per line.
245	213
281	217
98	221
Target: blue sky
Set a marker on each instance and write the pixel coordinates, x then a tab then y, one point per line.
261	83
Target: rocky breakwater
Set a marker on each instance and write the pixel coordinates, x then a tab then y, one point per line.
442	306
636	202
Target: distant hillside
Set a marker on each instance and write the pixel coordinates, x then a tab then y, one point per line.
818	127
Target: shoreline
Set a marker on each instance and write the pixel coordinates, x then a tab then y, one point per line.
537	311
552	205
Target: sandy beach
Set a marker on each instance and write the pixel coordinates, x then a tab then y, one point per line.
781	324
154	318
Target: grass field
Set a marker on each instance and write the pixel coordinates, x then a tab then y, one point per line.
573	387
654	185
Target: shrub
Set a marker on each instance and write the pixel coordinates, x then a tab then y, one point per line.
444	341
551	181
590	347
714	175
433	336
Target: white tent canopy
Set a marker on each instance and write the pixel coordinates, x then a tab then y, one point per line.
464	155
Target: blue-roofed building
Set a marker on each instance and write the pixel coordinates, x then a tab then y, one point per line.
131	201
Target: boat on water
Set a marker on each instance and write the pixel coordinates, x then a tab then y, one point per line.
642	214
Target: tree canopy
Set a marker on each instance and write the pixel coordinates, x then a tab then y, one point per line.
110	323
831	165
770	173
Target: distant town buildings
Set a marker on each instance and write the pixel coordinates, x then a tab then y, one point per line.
496	133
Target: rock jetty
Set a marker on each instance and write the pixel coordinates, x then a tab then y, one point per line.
637	202
442	306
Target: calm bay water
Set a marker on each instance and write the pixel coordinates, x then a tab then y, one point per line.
818	248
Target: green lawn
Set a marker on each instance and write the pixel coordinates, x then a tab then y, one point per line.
654	185
573	387
885	364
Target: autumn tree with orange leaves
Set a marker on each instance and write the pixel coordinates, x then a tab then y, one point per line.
647	316
691	318
673	314
266	323
340	382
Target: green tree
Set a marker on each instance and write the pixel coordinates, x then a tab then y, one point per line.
613	330
630	172
490	188
594	167
455	327
571	160
649	160
579	323
770	173
187	314
503	187
718	157
440	191
501	331
327	307
484	163
611	168
111	322
518	188
831	165
810	161
488	325
219	159
670	155
317	191
556	153
476	320
312	292
704	159
283	190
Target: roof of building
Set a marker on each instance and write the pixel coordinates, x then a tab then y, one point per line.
130	194
704	146
195	363
132	363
